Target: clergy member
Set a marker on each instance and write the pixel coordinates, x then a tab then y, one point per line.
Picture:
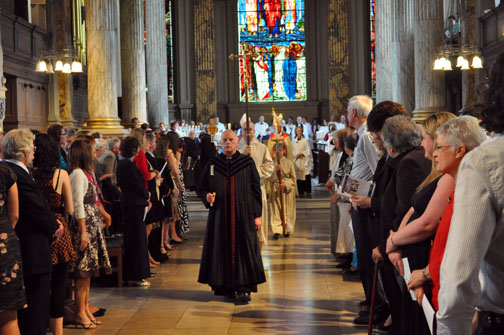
230	187
287	189
264	164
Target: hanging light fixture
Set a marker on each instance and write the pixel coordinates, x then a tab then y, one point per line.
438	64
456	41
64	61
41	66
76	67
447	65
460	61
59	66
476	62
465	65
50	68
67	68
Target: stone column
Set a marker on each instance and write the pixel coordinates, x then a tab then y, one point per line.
403	55
59	16
429	84
204	45
468	37
157	74
134	100
185	65
338	51
101	31
384	23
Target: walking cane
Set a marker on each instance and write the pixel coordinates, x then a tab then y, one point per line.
373	293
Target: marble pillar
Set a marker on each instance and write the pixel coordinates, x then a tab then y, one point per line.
134	100
184	66
59	18
338	51
403	56
204	47
468	37
429	84
101	30
383	52
157	73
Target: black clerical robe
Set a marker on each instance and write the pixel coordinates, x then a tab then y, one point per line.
231	259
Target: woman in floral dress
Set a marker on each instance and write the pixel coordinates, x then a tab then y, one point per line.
12	296
86	229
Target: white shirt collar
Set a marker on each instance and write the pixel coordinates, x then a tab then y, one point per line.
18	163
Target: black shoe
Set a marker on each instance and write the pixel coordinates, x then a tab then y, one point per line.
364	303
343	265
378	317
276	236
364	312
286	235
383	329
243	297
230	296
100	312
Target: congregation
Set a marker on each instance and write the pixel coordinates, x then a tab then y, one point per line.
436	209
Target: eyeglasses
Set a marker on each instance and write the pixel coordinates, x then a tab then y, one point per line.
439	147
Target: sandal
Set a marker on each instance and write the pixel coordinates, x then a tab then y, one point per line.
90	325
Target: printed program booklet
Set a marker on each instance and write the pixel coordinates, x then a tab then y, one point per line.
354	186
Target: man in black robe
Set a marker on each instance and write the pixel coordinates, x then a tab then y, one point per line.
231	261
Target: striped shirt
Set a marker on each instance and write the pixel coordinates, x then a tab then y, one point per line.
475	242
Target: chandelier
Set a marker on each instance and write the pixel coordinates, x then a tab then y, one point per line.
453	46
58	61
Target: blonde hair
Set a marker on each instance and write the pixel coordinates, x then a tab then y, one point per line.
139	134
430	126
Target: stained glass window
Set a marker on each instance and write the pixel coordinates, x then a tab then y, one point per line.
169	49
373	49
273	33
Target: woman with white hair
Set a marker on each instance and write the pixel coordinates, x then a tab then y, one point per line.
35	228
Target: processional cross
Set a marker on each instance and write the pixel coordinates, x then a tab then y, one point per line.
244	56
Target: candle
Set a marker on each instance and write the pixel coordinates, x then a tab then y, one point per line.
211	170
229	125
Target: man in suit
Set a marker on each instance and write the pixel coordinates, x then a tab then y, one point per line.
134	200
35	229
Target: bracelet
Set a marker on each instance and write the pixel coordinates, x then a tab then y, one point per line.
392	241
423	274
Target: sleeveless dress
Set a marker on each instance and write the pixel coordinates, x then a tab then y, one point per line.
183	223
413	318
62	251
12	295
94	258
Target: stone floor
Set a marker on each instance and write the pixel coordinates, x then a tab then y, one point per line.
304	293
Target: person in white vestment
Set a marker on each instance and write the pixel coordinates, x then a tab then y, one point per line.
302	158
264	164
286	189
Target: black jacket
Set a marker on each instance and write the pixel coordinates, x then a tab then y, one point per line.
410	169
36	224
129	179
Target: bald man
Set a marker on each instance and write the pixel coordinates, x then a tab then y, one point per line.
230	187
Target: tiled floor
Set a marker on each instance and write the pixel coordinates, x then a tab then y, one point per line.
304	293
